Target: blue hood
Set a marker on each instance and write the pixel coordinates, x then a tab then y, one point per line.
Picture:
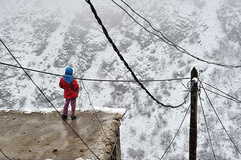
69	73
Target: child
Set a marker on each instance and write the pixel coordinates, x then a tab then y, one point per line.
71	87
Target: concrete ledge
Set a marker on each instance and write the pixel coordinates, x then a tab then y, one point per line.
38	135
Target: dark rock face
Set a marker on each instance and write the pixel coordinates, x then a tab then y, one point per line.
229	17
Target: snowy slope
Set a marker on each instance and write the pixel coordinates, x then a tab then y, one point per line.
50	35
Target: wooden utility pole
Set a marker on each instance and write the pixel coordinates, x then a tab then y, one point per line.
193	117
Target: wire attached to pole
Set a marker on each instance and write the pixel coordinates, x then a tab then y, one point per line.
95	80
226	95
219	119
124	61
205	120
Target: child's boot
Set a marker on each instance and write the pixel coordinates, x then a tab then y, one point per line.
64	117
73	117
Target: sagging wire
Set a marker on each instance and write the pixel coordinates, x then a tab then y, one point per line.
124	61
166	40
48	99
188	87
92	79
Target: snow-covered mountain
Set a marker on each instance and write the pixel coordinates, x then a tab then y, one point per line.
49	35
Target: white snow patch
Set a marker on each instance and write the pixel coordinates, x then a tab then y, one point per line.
121	111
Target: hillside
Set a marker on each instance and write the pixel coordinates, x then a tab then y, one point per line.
49	35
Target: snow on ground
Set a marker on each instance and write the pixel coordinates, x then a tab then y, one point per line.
147	128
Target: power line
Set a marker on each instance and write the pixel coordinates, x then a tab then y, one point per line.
166	40
219	118
228	96
48	99
4	154
221	95
205	120
175	134
92	79
76	78
116	139
97	117
96	114
123	60
113	148
102	80
162	38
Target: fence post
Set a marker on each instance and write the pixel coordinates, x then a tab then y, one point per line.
193	115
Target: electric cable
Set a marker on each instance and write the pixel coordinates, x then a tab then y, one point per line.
219	119
176	133
123	60
80	99
113	148
116	139
96	114
205	120
4	154
97	117
231	97
48	100
167	41
94	80
163	39
221	95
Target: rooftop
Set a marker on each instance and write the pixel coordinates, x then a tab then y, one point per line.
39	135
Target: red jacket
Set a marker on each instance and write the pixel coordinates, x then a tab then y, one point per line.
70	91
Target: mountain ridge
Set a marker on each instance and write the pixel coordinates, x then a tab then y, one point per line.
51	35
